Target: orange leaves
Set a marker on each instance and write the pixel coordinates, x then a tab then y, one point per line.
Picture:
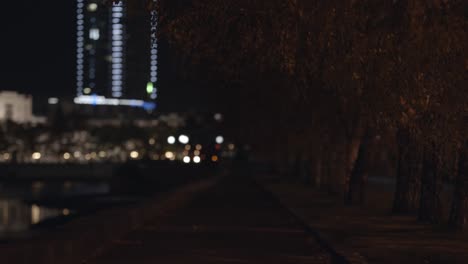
382	59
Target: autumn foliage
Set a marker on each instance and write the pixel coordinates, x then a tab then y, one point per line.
321	82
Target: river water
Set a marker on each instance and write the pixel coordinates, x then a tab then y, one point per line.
26	207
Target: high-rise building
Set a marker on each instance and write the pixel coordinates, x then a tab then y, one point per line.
92	48
117	56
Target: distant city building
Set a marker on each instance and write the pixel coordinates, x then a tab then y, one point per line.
17	108
93	48
116	50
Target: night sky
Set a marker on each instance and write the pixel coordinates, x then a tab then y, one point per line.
37	52
37	47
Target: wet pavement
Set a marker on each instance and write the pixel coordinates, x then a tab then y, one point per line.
233	222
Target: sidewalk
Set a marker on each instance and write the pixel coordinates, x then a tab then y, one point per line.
369	234
234	221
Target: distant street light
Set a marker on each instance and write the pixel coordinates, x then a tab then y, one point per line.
220	139
218	117
184	139
36	156
134	154
169	155
171	140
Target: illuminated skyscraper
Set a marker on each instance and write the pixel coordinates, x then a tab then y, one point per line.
100	48
116	54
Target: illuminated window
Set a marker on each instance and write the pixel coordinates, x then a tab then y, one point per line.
94	34
92	7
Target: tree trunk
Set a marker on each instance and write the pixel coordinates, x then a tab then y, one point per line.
352	156
317	171
327	169
408	174
459	212
359	173
430	209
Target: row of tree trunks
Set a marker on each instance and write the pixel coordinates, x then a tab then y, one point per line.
418	177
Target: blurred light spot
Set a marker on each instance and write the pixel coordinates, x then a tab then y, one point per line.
188	147
199	147
197	159
218	117
92	7
149	87
152	141
186	159
184	139
220	139
214	158
66	156
53	100
94	34
36	156
171	140
66	211
196	153
134	154
35	214
169	155
231	146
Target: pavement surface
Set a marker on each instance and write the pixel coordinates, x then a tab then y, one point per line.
370	233
234	221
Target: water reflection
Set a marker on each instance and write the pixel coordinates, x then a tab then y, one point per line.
41	189
16	216
23	205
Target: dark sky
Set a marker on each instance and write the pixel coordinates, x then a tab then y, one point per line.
37	47
37	54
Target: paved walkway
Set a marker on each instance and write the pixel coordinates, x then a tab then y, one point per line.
369	233
232	222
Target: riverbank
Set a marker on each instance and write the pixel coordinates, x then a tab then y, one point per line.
33	205
75	241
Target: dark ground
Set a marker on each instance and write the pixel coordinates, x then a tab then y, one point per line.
234	221
370	233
